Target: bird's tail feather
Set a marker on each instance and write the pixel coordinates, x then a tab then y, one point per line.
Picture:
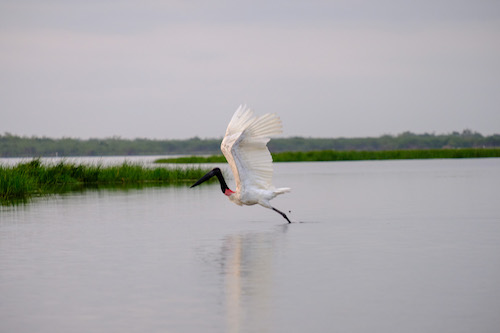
282	190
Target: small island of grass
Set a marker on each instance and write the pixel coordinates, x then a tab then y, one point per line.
20	182
337	155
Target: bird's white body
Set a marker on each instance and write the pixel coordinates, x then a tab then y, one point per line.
245	148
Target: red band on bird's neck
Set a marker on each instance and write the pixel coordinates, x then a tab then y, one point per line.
228	192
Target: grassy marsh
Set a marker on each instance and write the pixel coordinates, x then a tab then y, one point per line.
20	182
335	155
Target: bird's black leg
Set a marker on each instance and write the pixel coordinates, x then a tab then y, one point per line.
281	213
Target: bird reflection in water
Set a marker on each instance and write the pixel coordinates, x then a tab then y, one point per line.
247	268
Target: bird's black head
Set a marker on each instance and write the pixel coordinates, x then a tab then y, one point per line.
215	172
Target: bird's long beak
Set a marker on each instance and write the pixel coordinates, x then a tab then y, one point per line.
214	172
204	178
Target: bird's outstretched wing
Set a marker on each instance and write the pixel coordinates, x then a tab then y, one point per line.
244	147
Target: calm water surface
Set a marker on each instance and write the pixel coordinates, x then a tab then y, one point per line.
389	246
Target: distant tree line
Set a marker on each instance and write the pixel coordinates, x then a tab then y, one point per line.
17	146
406	140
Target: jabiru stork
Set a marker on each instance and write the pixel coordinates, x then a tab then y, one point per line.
245	149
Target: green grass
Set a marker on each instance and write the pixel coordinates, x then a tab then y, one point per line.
20	182
332	155
335	155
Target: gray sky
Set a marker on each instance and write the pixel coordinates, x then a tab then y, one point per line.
178	69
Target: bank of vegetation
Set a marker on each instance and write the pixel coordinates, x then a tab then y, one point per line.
17	146
352	155
33	178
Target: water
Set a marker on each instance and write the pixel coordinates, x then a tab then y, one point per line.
390	246
106	160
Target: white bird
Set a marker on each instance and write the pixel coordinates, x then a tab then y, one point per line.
245	149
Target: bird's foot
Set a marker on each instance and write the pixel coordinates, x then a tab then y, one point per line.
282	214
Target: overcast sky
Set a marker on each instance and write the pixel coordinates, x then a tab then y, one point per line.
179	69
